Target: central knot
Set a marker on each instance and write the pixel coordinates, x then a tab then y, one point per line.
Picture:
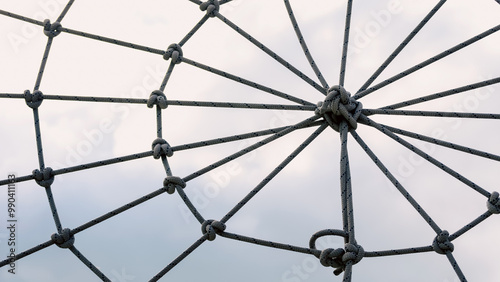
442	244
339	106
51	30
211	6
161	148
171	182
212	227
174	52
33	100
64	239
157	98
339	258
44	178
493	203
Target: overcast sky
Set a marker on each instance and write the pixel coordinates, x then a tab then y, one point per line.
304	198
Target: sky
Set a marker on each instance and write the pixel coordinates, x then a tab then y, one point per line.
301	200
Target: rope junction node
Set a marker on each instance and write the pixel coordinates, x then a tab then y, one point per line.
339	110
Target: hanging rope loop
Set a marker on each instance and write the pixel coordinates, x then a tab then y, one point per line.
211	7
51	30
64	239
212	227
157	98
33	100
44	178
171	182
339	106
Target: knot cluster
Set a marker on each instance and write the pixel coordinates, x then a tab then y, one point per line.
51	30
340	106
64	239
174	52
33	100
171	182
339	258
44	178
442	244
212	227
211	6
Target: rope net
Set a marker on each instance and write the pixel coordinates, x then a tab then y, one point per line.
335	110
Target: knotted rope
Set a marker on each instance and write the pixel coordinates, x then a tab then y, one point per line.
44	178
51	30
174	52
33	100
161	148
171	181
339	106
211	7
493	203
157	98
64	239
212	227
442	244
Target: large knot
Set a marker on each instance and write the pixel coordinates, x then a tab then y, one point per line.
174	52
340	106
44	178
33	100
161	148
212	227
211	6
157	98
171	181
442	244
333	258
51	30
493	203
64	239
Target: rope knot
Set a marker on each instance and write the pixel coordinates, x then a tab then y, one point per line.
171	181
174	52
493	203
211	6
161	148
212	227
33	100
157	98
51	30
339	106
64	239
333	258
442	244
44	178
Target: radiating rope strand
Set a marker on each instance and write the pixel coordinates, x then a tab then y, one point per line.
87	262
22	18
345	45
368	112
426	156
65	10
455	266
303	44
401	46
271	53
427	62
443	94
399	252
194	30
469	226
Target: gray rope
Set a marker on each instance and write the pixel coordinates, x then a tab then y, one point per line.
65	11
427	62
246	82
401	46
91	266
368	112
455	266
469	226
22	18
271	53
443	94
193	30
427	157
345	44
304	45
399	252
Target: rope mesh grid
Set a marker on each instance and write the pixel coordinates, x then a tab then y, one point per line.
339	111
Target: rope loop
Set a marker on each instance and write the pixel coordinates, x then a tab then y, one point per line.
161	148
157	98
33	100
64	239
442	244
339	106
171	181
493	203
174	52
44	178
211	6
212	227
51	30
